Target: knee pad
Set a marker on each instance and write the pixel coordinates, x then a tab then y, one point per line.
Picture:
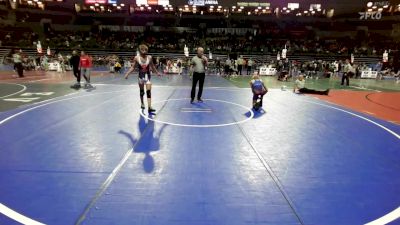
148	92
141	93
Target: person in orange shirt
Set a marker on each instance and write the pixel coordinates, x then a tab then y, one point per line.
85	66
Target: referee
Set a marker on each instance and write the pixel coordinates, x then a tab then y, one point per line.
346	71
198	66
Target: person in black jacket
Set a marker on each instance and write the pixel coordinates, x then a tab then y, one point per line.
74	62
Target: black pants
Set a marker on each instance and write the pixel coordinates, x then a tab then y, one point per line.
77	74
20	69
197	77
345	77
240	68
248	70
311	91
226	70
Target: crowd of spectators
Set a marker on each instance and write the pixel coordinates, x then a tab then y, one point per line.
249	43
262	41
285	68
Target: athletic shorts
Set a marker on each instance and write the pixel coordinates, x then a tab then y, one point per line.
259	91
85	72
144	80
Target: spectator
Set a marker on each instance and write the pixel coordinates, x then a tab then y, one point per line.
117	67
179	65
346	72
74	61
218	65
250	64
240	63
227	67
17	58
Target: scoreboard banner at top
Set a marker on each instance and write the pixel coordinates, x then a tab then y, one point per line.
101	1
152	2
202	2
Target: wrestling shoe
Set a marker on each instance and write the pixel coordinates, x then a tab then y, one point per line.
76	86
88	86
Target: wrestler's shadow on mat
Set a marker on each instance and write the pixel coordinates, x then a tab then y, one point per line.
148	141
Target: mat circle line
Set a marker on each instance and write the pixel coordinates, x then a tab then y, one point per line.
383	105
199	125
20	91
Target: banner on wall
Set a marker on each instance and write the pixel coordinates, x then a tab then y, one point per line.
141	2
211	2
96	1
197	2
152	2
163	2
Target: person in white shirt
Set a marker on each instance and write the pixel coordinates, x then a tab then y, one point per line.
346	70
127	64
250	64
234	67
299	87
61	63
17	58
240	63
228	64
335	68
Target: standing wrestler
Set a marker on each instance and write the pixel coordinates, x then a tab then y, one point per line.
145	64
